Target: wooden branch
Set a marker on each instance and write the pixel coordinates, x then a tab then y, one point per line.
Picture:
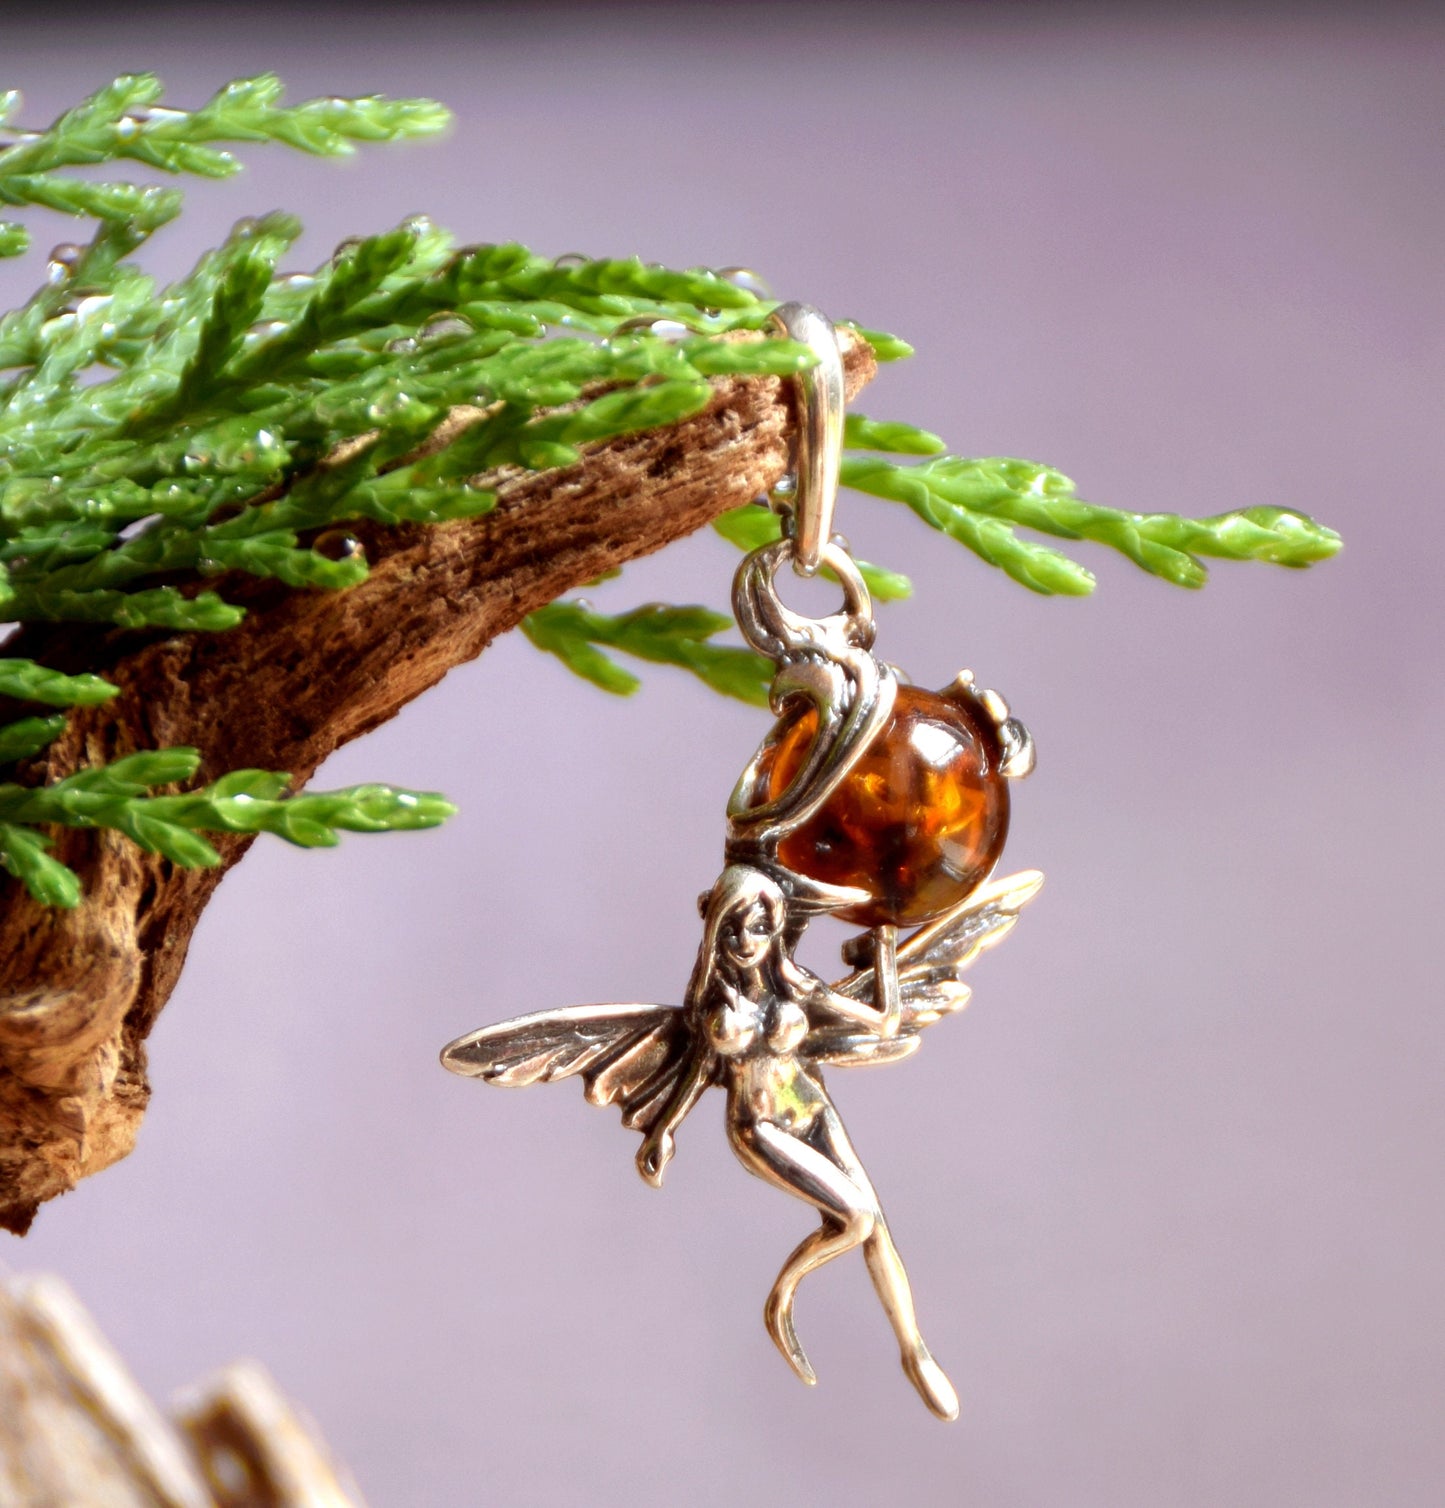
76	1429
303	674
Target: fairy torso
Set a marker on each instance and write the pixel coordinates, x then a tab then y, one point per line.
738	1026
758	1042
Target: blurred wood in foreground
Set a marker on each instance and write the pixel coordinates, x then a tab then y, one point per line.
76	1431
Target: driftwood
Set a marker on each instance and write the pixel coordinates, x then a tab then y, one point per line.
305	672
76	1429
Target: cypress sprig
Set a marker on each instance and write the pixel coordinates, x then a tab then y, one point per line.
980	502
657	632
118	796
25	681
125	120
232	421
29	735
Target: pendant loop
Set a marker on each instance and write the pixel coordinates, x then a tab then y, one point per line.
821	401
775	630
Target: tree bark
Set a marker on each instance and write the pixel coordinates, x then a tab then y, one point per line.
303	674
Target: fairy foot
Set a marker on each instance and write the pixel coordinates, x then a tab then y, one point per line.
932	1382
778	1317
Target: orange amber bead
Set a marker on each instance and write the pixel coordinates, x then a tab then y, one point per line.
919	820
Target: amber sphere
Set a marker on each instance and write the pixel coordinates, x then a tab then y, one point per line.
918	822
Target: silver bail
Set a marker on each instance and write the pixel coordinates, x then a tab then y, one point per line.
821	403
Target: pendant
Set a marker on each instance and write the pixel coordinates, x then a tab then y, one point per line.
880	803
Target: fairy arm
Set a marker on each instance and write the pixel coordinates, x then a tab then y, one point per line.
658	1146
885	1016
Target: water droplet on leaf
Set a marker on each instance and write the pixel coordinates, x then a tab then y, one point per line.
746	279
339	544
445	327
138	526
388	405
62	262
648	324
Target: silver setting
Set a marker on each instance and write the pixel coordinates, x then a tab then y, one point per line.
821	404
824	661
1016	744
752	1020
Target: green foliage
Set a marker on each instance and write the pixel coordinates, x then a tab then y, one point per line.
26	681
885	347
23	853
665	635
29	735
152	437
119	796
125	121
860	433
979	503
750	527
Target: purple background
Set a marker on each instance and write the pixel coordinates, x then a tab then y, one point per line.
1169	1192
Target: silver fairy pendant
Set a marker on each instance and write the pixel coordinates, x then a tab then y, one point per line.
876	802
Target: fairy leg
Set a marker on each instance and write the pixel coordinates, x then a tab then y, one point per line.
890	1280
831	1240
849	1212
885	1267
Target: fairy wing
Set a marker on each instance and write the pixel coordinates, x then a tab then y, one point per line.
930	969
631	1056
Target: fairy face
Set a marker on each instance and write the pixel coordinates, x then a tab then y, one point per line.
745	913
749	933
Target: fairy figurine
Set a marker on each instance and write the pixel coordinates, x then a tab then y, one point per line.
876	802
